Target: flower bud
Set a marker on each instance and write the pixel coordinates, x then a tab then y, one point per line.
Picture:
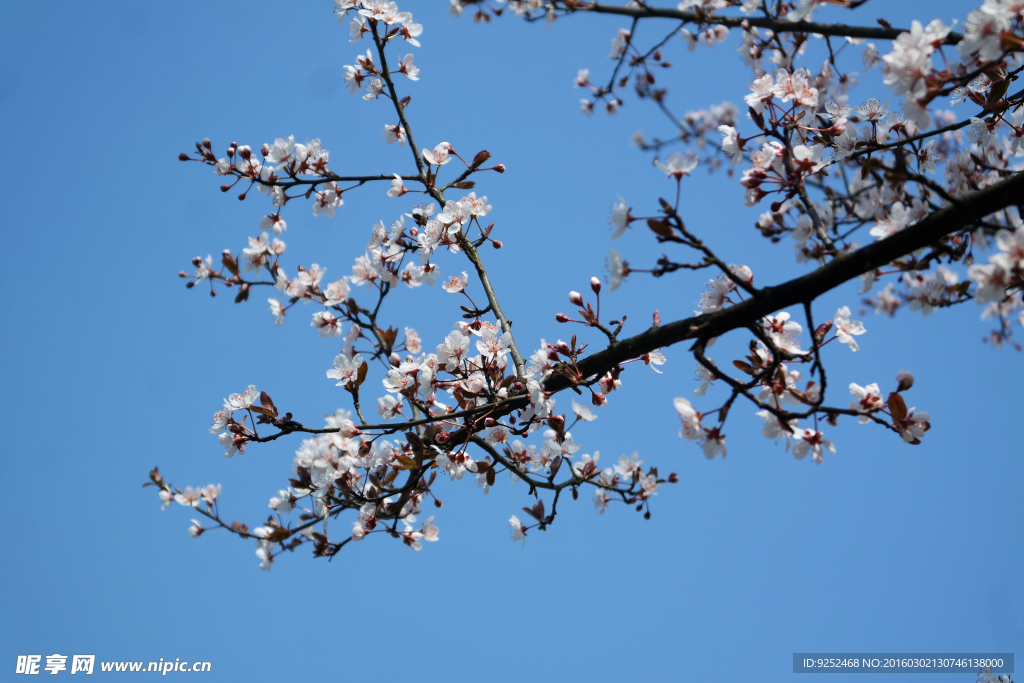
245	152
394	359
241	197
575	298
557	422
647	515
182	273
490	422
906	380
438	503
496	244
595	285
500	168
213	292
575	493
183	157
562	317
442	437
563	348
189	285
207	144
225	188
673	478
265	149
517	386
197	260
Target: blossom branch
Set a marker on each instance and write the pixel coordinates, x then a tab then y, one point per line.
776	25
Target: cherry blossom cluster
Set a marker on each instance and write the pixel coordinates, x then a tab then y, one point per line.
804	128
473	388
471	406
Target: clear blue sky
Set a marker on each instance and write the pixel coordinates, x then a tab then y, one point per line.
111	367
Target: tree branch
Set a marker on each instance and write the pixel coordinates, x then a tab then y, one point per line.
777	25
971	208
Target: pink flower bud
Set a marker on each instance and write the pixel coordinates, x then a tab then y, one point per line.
394	360
575	298
183	157
207	144
265	149
438	503
562	318
500	168
490	422
673	478
595	285
905	379
496	244
182	273
557	422
245	152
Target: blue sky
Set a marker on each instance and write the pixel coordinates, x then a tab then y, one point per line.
112	367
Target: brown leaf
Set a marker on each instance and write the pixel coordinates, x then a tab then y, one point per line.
555	465
480	158
897	407
229	262
745	367
267	403
407	462
278	535
660	227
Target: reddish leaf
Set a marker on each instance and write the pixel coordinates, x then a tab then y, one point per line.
660	227
267	404
229	262
897	407
745	367
407	462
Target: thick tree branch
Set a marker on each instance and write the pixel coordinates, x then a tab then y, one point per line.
933	228
777	25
